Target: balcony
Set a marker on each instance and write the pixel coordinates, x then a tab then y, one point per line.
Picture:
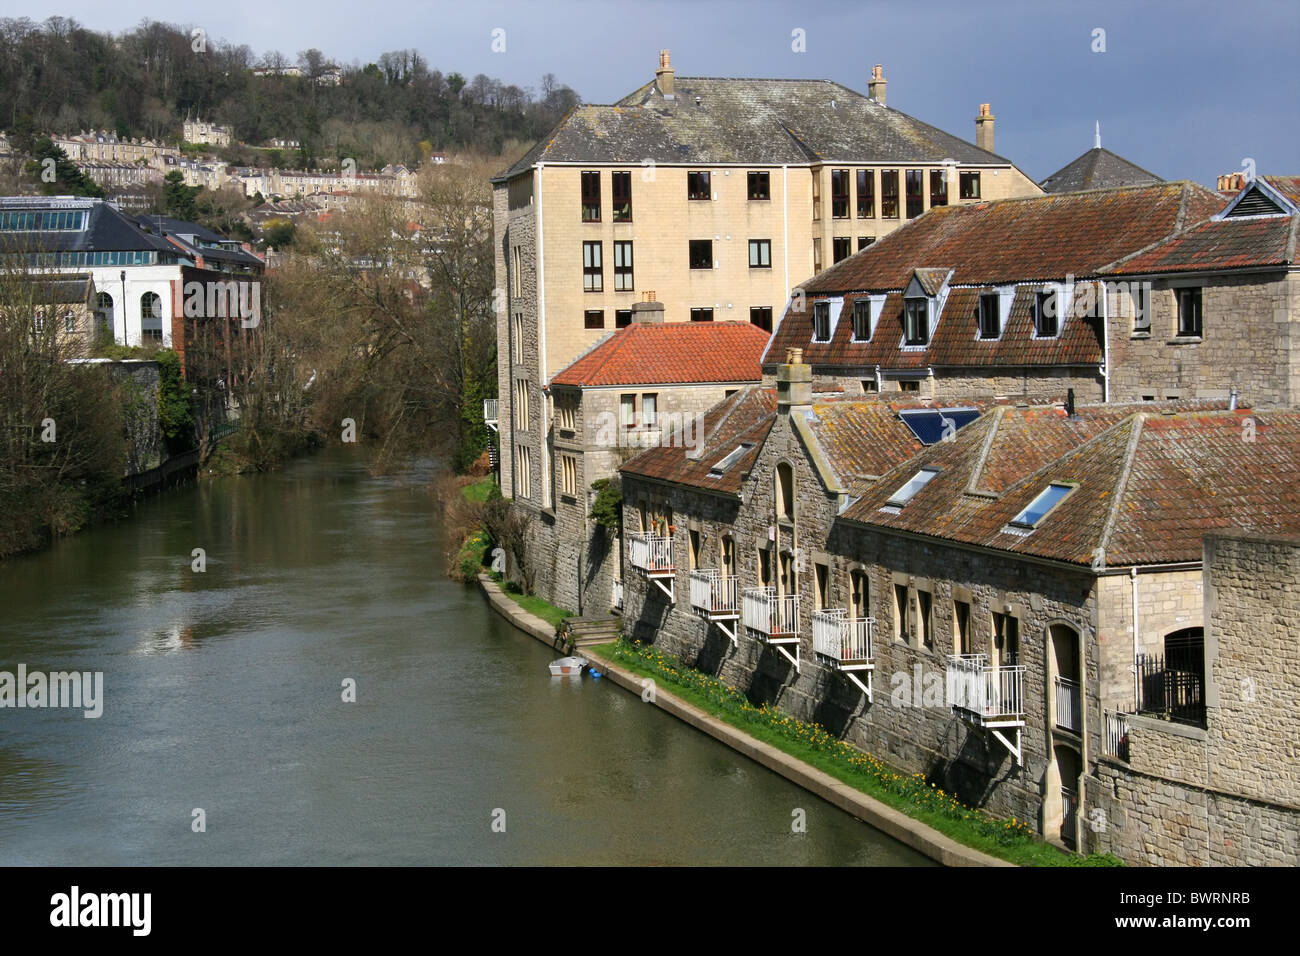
1172	690
774	618
987	696
1117	735
713	597
1069	705
652	555
490	413
846	643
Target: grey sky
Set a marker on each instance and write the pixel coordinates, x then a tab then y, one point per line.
1185	89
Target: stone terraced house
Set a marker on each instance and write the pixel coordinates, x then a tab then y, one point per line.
997	298
954	587
1142	293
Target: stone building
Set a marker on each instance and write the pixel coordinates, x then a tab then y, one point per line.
954	588
719	195
204	133
1218	305
1137	294
645	385
1225	792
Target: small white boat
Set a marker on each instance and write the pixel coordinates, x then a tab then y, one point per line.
566	666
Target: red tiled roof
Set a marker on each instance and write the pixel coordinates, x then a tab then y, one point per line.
1023	241
1219	244
670	353
1148	487
1018	240
745	417
860	439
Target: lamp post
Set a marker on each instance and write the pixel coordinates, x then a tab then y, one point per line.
124	307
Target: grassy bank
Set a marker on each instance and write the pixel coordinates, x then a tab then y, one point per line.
1012	840
532	603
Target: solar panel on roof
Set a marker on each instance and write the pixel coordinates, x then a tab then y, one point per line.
930	424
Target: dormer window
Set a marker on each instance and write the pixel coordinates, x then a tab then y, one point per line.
862	324
916	321
990	316
821	321
1038	509
1047	322
914	484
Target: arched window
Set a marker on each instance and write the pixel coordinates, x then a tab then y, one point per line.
151	317
784	492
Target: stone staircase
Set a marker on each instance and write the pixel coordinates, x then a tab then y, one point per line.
584	631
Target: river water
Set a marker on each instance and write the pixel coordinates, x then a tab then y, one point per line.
223	693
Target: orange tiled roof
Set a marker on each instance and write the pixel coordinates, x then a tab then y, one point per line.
670	353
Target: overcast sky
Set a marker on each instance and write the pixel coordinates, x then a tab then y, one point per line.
1186	89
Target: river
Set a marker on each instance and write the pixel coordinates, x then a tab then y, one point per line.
223	693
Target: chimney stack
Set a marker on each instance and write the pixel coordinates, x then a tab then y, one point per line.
876	88
984	128
793	383
664	76
648	311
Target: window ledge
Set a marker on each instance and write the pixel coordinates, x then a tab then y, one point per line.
1140	335
1185	340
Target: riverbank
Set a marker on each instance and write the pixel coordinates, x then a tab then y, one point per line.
935	845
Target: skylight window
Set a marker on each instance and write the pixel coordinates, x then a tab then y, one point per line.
918	481
718	470
1048	499
931	425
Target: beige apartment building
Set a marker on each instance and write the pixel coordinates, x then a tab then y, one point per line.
716	195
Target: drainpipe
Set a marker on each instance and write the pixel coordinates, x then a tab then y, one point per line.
1105	344
785	224
1232	400
1133	573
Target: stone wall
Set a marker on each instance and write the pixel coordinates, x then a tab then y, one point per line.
1227	794
909	723
1040	384
1250	341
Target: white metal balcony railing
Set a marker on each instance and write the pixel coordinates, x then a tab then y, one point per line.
1069	702
994	694
714	595
490	410
843	639
769	613
651	553
1117	735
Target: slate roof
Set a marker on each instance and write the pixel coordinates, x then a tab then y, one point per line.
1147	488
108	229
672	353
180	231
759	121
1022	241
1098	168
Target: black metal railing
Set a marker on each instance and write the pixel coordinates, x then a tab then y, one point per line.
1169	692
